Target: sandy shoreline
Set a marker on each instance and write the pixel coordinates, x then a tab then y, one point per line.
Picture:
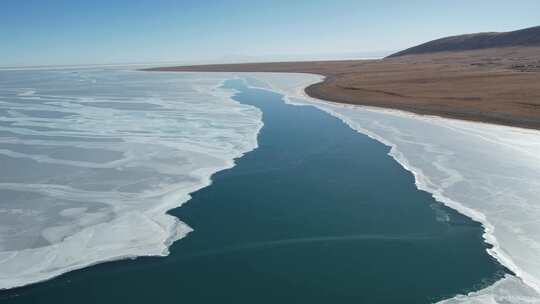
498	86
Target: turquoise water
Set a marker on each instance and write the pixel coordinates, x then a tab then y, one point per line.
317	213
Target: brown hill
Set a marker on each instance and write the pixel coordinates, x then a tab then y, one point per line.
524	37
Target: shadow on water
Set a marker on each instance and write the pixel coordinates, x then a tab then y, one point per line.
318	213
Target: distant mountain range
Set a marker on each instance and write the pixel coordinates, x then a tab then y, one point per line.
524	37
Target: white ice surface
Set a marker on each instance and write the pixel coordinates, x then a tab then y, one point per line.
508	290
490	173
91	160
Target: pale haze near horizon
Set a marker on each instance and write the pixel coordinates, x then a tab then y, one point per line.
80	32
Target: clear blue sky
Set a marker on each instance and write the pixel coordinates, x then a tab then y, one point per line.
39	32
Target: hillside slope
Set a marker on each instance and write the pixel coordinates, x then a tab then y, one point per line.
523	37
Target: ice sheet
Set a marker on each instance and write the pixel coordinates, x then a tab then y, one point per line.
92	159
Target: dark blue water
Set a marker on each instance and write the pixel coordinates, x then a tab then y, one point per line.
317	214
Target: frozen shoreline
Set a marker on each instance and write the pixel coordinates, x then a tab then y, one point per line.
449	185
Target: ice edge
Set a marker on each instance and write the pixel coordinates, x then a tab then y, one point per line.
420	180
178	230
